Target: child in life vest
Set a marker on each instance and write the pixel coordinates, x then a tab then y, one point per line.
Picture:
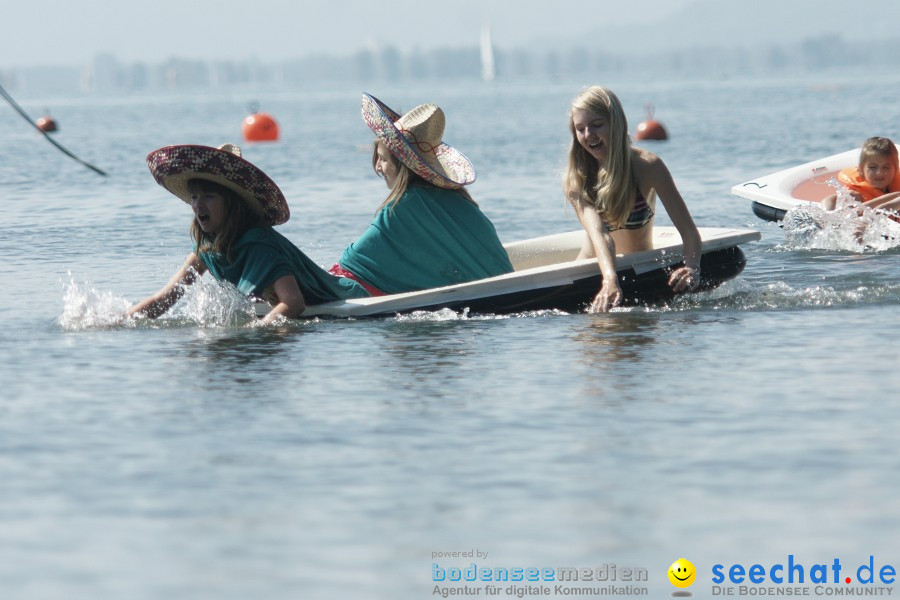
876	181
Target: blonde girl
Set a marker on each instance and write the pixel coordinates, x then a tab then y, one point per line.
613	187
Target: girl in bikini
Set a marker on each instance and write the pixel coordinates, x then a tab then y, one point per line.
613	188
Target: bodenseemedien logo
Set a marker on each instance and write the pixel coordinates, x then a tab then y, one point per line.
478	580
682	574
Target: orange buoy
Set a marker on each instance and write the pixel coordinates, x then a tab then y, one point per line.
650	129
46	124
259	127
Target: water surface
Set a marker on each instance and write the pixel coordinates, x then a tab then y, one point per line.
197	458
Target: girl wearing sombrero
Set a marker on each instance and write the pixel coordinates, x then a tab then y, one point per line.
428	232
235	206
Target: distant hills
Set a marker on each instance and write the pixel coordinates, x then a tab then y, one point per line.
734	24
706	38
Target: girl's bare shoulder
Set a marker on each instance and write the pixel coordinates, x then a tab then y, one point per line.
644	164
644	159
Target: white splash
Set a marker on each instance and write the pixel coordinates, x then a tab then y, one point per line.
446	314
85	307
843	229
206	303
210	303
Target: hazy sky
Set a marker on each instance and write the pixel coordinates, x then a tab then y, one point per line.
42	32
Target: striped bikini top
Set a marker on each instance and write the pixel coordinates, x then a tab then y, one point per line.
641	214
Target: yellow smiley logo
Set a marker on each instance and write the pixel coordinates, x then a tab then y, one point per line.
682	573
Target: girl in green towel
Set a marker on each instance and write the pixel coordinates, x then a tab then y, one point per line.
428	233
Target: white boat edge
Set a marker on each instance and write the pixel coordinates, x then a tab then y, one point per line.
776	189
543	262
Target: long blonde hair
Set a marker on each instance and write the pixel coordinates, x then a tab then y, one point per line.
405	178
611	187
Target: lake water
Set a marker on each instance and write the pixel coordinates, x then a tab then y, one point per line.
195	458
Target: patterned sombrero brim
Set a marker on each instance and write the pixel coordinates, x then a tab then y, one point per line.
451	169
174	166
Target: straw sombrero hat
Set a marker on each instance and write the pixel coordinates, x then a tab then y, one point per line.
174	166
415	139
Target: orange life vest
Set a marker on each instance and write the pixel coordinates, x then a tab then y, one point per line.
852	180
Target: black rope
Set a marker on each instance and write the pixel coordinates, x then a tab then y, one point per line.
44	133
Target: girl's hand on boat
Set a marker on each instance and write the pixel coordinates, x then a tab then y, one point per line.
684	279
608	297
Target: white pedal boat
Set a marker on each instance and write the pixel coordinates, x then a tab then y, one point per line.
548	276
773	195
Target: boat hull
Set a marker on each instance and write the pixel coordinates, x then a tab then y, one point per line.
646	288
773	195
548	275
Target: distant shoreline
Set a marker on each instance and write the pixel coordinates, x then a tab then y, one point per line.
107	74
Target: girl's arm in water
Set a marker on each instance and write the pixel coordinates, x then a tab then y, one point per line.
290	304
651	172
157	304
604	249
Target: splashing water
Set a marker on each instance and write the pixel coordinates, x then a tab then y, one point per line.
744	296
849	227
843	229
734	295
206	303
87	308
780	295
210	303
446	314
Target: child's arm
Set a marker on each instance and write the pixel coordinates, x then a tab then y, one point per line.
157	304
657	176
290	300
610	294
890	201
829	202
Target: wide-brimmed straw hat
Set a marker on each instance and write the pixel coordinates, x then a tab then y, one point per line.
415	139
174	166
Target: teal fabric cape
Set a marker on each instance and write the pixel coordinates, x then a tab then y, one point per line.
431	237
262	256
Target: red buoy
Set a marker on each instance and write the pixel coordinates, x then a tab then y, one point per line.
259	127
46	124
650	129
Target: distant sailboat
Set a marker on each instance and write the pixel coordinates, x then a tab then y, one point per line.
487	54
